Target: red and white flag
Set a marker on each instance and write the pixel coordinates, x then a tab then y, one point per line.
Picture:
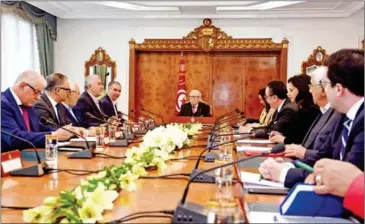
181	89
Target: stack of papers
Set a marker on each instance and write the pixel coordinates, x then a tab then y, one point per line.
255	141
89	139
254	178
244	148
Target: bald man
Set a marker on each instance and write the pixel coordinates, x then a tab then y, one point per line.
195	108
89	102
19	117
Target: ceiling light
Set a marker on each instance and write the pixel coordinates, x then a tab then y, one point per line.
134	7
263	6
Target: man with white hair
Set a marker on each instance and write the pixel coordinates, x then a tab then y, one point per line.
70	102
89	102
19	117
195	108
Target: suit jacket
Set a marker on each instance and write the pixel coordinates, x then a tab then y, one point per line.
331	146
280	122
84	105
71	119
107	106
317	126
203	110
45	109
301	124
12	121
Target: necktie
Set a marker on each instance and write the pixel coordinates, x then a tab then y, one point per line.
345	136
195	108
25	116
58	106
72	114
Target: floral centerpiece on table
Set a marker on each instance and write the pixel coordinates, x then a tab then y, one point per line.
96	194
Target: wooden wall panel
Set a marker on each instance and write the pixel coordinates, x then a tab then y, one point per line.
156	80
260	70
227	74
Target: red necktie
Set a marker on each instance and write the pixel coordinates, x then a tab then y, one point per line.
25	116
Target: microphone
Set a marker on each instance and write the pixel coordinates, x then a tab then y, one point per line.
209	157
227	114
119	142
129	116
196	213
84	154
163	122
33	171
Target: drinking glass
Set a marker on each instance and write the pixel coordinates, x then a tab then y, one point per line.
51	150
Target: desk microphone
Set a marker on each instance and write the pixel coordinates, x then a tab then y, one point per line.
195	213
150	112
32	171
84	154
226	114
154	121
209	157
129	116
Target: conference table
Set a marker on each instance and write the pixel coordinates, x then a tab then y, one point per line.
150	195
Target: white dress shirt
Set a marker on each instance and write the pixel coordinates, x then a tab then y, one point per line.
54	104
96	101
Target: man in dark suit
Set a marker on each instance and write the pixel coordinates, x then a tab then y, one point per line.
50	104
70	102
195	108
346	141
18	116
108	102
89	102
276	97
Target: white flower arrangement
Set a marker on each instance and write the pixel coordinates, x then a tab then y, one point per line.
87	202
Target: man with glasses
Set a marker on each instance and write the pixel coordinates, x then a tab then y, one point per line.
285	111
318	133
50	104
19	118
109	101
195	108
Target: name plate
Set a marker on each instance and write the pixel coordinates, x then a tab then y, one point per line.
10	161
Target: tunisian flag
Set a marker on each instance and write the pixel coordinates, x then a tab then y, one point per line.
181	90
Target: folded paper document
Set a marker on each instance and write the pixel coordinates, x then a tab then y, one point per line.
255	141
254	178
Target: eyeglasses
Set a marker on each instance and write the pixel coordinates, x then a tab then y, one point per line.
36	91
68	90
313	85
322	82
268	96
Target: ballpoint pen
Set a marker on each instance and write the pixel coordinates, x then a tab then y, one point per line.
302	165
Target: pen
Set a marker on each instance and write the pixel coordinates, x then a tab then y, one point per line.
303	166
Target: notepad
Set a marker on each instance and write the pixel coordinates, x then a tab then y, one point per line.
255	141
89	139
243	148
254	178
292	196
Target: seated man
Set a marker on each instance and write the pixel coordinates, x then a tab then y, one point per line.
50	105
276	97
109	101
346	140
89	102
18	115
70	102
195	108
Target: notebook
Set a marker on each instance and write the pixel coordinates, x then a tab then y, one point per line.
254	178
303	201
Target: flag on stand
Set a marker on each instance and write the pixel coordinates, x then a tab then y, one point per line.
181	89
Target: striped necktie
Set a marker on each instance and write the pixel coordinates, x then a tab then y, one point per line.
345	136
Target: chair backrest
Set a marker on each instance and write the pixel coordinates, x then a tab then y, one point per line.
316	59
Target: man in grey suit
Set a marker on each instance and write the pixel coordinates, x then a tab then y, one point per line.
50	104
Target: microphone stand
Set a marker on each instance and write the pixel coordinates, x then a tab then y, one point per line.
118	142
163	122
83	154
195	213
32	171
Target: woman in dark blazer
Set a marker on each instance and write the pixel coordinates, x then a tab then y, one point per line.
298	92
